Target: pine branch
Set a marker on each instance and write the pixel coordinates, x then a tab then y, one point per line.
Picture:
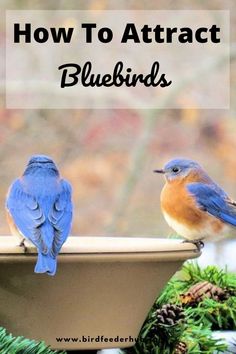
20	345
194	333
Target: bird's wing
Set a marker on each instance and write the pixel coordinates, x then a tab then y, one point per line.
232	202
26	213
61	216
214	201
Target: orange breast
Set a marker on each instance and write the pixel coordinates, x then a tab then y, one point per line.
181	206
14	230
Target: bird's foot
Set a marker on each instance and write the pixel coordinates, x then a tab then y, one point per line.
22	244
199	244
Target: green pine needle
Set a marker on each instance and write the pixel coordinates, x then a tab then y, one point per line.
21	345
200	320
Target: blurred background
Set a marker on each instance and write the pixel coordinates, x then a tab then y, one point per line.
109	155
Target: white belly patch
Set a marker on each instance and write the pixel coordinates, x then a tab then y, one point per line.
191	233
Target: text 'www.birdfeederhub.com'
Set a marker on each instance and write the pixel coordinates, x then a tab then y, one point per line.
97	339
117	59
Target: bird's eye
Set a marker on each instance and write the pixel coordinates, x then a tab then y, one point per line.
175	169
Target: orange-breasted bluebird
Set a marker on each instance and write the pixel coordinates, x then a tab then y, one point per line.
193	204
39	209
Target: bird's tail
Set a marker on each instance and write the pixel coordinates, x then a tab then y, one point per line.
46	264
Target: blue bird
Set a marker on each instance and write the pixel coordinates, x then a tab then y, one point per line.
193	204
39	209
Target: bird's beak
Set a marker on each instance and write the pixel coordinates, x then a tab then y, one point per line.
159	171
